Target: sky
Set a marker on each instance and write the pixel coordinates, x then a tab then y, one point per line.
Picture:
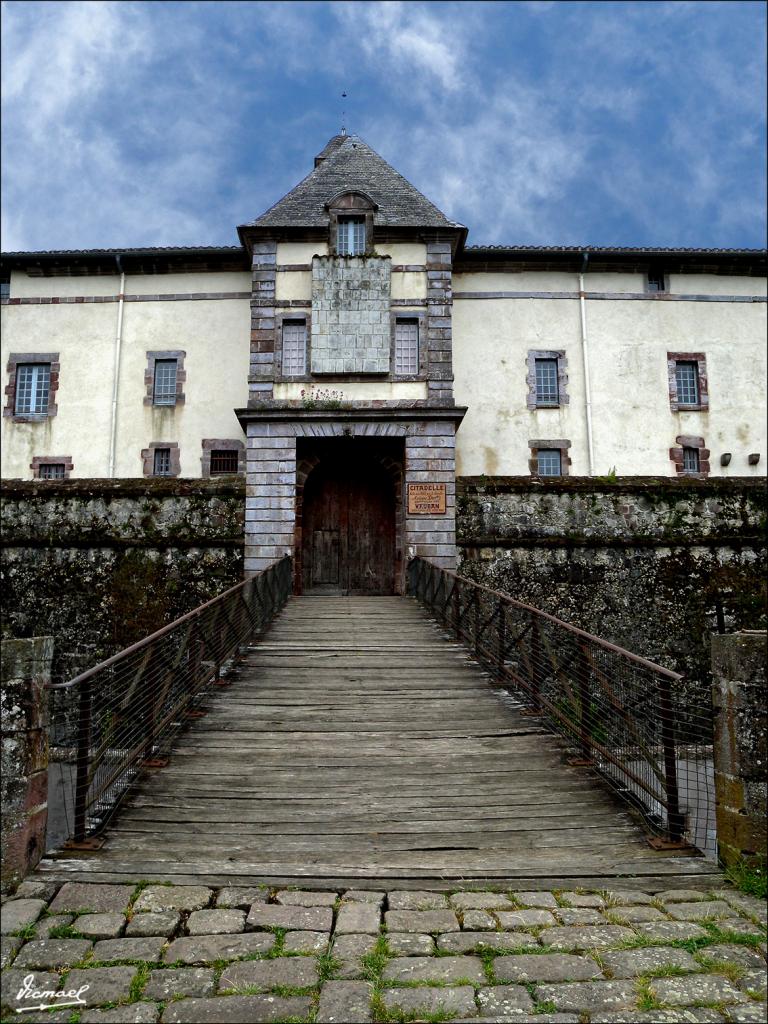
533	123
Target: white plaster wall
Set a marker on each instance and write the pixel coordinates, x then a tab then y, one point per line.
633	425
350	390
293	284
215	336
409	285
491	339
23	286
413	253
300	252
716	284
525	281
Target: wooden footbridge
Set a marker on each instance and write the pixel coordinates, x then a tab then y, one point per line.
356	744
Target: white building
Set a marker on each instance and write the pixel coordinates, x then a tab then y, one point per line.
364	355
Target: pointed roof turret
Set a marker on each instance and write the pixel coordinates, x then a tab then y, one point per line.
348	164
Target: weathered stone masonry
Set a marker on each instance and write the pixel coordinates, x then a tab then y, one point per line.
270	505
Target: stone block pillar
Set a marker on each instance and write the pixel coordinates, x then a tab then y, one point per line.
739	671
26	669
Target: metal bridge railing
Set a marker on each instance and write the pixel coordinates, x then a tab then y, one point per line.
121	716
623	716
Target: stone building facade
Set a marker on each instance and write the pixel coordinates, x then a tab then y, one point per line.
353	356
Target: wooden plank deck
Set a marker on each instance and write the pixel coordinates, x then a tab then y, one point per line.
358	746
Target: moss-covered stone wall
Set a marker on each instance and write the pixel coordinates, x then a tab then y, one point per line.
652	564
100	564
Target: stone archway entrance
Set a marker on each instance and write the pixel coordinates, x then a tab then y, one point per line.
349	518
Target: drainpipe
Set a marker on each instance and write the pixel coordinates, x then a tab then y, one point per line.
116	369
585	363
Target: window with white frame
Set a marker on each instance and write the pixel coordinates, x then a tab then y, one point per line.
547	387
406	346
550	462
687	380
350	236
294	348
33	384
165	382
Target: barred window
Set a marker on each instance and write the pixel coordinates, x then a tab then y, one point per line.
549	462
406	346
691	460
165	382
51	471
687	379
656	281
161	465
223	462
294	348
5	287
351	236
547	389
33	385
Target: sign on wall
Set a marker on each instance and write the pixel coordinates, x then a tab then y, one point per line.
426	499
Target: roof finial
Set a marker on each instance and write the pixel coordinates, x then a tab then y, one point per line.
343	115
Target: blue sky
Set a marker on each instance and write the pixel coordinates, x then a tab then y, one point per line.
131	123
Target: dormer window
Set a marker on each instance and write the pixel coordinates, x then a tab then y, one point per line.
350	240
350	217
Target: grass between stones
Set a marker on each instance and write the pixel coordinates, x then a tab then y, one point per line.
749	877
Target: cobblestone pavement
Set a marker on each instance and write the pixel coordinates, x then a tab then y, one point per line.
193	954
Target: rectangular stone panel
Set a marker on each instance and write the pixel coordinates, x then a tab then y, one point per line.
350	329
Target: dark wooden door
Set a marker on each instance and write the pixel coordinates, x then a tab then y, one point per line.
348	528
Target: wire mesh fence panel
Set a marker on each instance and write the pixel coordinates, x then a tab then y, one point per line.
112	721
621	715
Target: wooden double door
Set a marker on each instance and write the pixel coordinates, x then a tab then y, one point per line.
348	528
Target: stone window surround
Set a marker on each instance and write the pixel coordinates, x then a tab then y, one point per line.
351	203
562	377
410	314
149	376
211	444
14	359
51	460
148	458
563	444
676	456
673	358
292	314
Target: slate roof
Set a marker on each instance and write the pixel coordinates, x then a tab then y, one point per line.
346	164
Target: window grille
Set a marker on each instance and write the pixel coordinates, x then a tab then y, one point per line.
165	382
656	282
406	347
223	462
549	462
351	236
691	460
294	348
687	377
547	390
162	462
33	385
5	288
51	471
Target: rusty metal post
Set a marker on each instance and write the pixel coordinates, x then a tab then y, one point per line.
83	763
675	820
